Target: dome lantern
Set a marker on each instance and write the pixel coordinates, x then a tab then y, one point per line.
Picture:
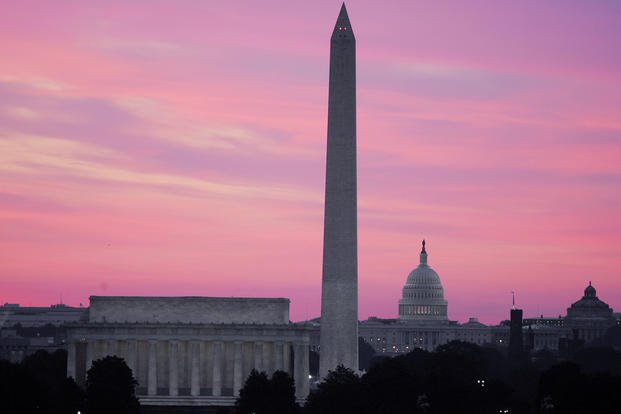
423	255
590	291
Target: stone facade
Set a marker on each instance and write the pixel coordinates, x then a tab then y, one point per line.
27	317
394	336
25	330
203	362
339	289
188	309
589	317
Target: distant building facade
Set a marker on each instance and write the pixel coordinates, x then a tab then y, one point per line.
423	318
25	330
189	351
589	317
423	322
55	315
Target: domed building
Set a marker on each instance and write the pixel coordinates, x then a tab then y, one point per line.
422	322
590	306
589	317
423	294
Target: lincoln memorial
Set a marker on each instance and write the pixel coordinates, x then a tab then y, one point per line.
191	351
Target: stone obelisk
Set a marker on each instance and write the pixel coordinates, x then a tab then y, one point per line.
339	289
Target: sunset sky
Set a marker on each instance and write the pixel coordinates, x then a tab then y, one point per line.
178	148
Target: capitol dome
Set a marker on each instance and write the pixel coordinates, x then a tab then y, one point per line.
423	294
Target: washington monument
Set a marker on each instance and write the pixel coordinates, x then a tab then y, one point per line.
339	289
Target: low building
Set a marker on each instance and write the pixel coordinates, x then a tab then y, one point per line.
538	337
545	322
423	318
25	330
191	351
33	316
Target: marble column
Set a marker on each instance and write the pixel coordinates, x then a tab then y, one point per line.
218	356
306	369
111	348
287	358
267	361
300	368
173	369
71	359
132	356
237	367
90	353
152	369
195	369
279	356
258	356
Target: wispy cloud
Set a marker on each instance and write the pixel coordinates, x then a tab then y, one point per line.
41	155
142	48
193	138
39	83
167	124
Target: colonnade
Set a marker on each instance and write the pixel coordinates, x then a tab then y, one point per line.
207	368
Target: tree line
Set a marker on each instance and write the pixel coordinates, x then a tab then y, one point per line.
464	378
458	377
39	384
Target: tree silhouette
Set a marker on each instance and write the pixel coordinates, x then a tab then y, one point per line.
574	391
282	390
598	359
39	384
19	391
71	398
254	395
261	395
110	388
57	394
340	392
392	386
458	378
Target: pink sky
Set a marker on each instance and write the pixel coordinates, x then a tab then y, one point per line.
178	148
